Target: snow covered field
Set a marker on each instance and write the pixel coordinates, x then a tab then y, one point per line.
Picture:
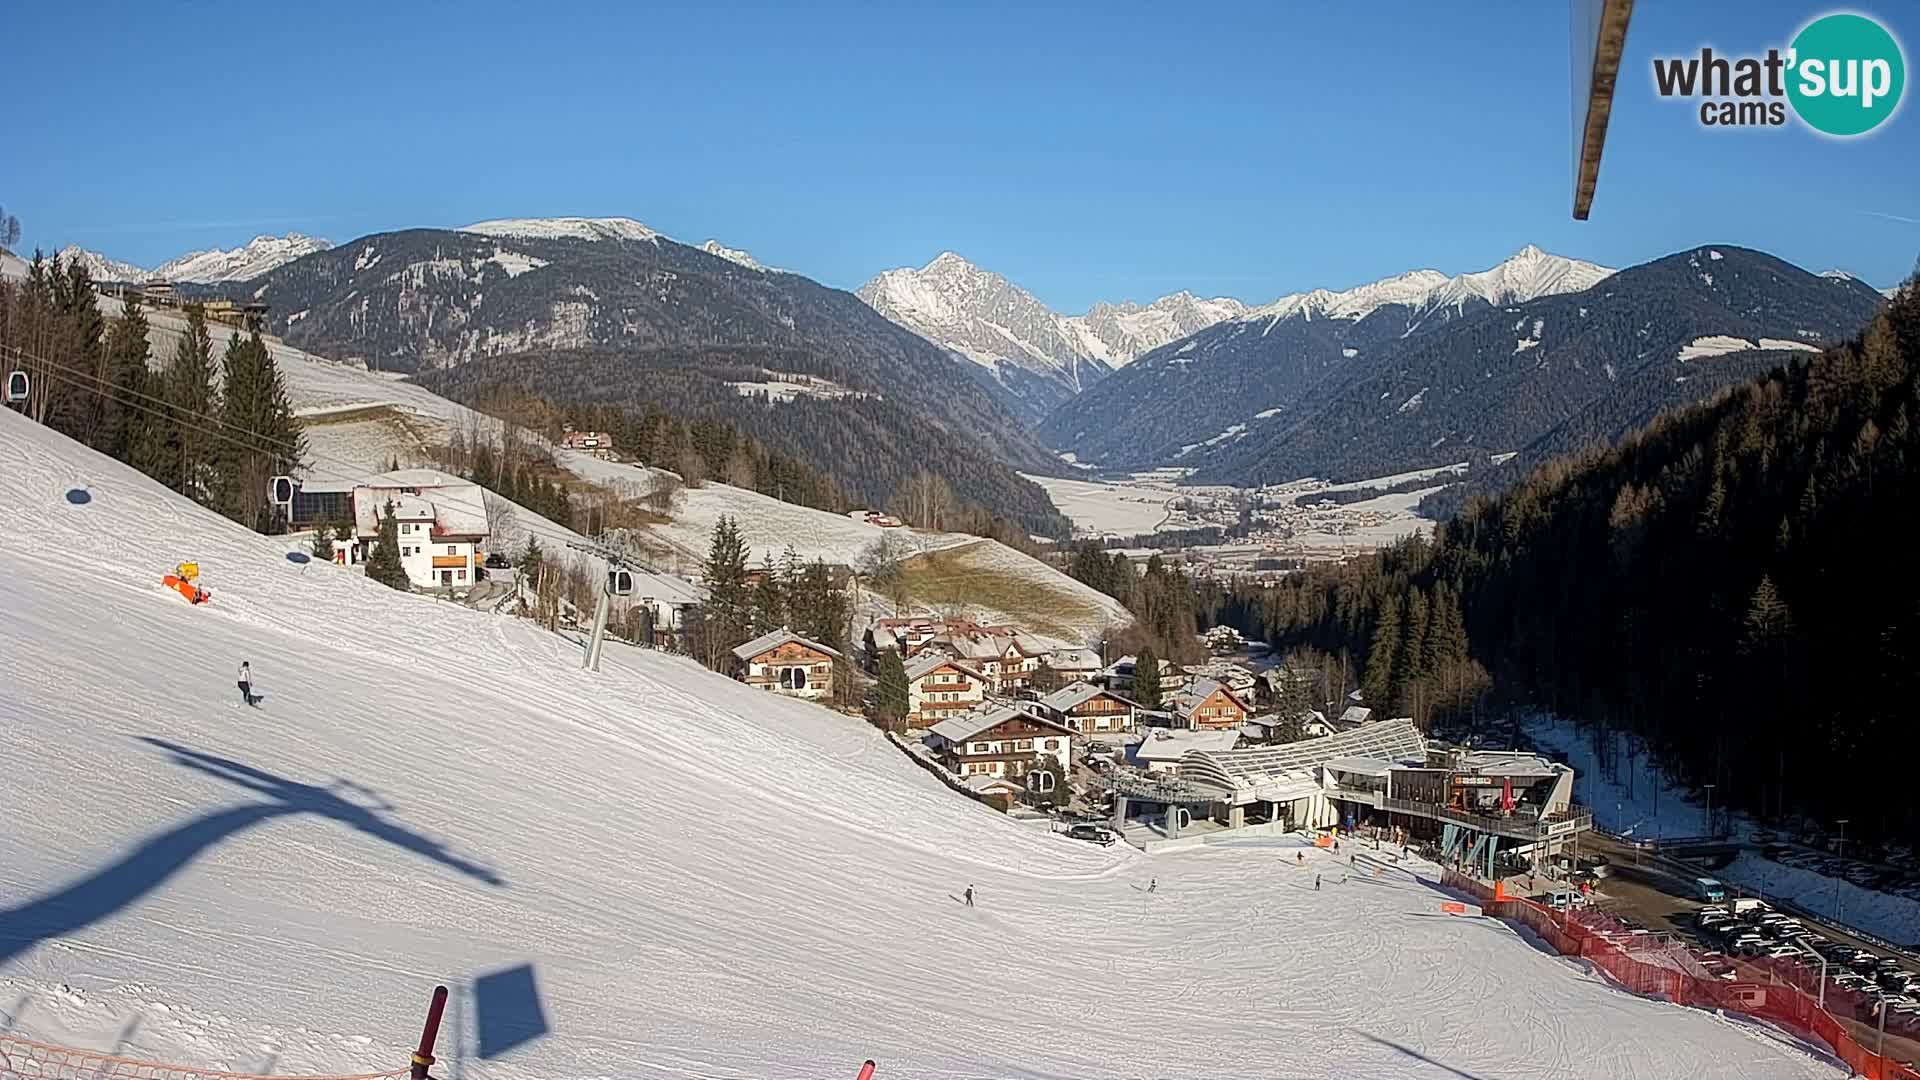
1097	508
652	872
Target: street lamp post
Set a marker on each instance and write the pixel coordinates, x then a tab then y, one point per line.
1842	852
1710	788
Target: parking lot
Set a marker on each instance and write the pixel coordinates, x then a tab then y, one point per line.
1762	945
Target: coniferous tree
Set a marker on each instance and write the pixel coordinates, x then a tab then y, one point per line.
124	431
1146	678
890	699
384	565
1378	683
769	601
262	440
323	542
193	406
729	607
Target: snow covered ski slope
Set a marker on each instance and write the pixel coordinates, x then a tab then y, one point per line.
699	880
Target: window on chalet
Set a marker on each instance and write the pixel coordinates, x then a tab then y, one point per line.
1023	744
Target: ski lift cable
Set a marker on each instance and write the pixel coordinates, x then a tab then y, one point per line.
82	373
109	391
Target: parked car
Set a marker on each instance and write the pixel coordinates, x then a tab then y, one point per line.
1097	834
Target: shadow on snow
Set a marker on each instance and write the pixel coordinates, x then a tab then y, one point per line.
149	865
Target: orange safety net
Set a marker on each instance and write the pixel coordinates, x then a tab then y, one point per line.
1783	991
31	1060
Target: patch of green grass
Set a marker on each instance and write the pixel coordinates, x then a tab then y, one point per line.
954	579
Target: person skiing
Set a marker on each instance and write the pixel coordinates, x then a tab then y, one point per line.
246	683
969	895
1300	858
1316	883
1152	884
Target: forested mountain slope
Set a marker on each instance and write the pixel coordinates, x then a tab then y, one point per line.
1733	582
649	311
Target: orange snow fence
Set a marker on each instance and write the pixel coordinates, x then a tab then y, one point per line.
30	1060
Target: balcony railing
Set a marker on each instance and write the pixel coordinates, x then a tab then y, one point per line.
1522	825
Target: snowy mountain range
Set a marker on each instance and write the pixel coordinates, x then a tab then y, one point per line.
1534	355
250	260
595	229
1032	356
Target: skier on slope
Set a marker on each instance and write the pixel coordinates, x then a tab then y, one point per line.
1316	883
969	895
246	683
1152	884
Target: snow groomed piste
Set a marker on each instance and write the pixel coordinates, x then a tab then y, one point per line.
672	875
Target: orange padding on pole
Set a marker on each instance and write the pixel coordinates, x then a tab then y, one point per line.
29	1060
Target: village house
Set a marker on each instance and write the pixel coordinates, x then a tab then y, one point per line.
1233	676
1118	676
666	600
786	663
597	443
440	524
1090	709
1074	665
1001	741
1208	705
938	686
1001	653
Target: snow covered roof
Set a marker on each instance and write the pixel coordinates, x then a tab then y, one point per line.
1362	766
1074	660
1078	693
665	589
1188	701
928	662
973	722
1260	768
1355	715
456	507
1166	744
776	639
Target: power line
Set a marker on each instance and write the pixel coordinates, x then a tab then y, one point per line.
85	374
90	384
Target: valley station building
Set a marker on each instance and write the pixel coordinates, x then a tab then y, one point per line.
1476	804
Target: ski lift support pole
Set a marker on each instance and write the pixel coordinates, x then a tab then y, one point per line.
616	570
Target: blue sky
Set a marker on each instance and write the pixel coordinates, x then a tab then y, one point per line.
1087	152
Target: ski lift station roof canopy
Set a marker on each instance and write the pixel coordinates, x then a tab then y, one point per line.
1281	773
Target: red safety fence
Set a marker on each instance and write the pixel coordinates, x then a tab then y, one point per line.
1786	992
30	1060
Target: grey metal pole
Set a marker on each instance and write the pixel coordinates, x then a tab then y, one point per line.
1842	852
1709	788
592	661
1880	1048
1823	980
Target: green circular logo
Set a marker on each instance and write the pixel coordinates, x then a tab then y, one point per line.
1846	76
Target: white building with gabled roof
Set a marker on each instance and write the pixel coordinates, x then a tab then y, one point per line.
939	686
441	525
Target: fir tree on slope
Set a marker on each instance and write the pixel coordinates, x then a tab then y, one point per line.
1146	678
769	600
188	389
263	441
890	701
728	613
384	564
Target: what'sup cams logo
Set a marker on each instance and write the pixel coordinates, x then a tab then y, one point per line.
1842	76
